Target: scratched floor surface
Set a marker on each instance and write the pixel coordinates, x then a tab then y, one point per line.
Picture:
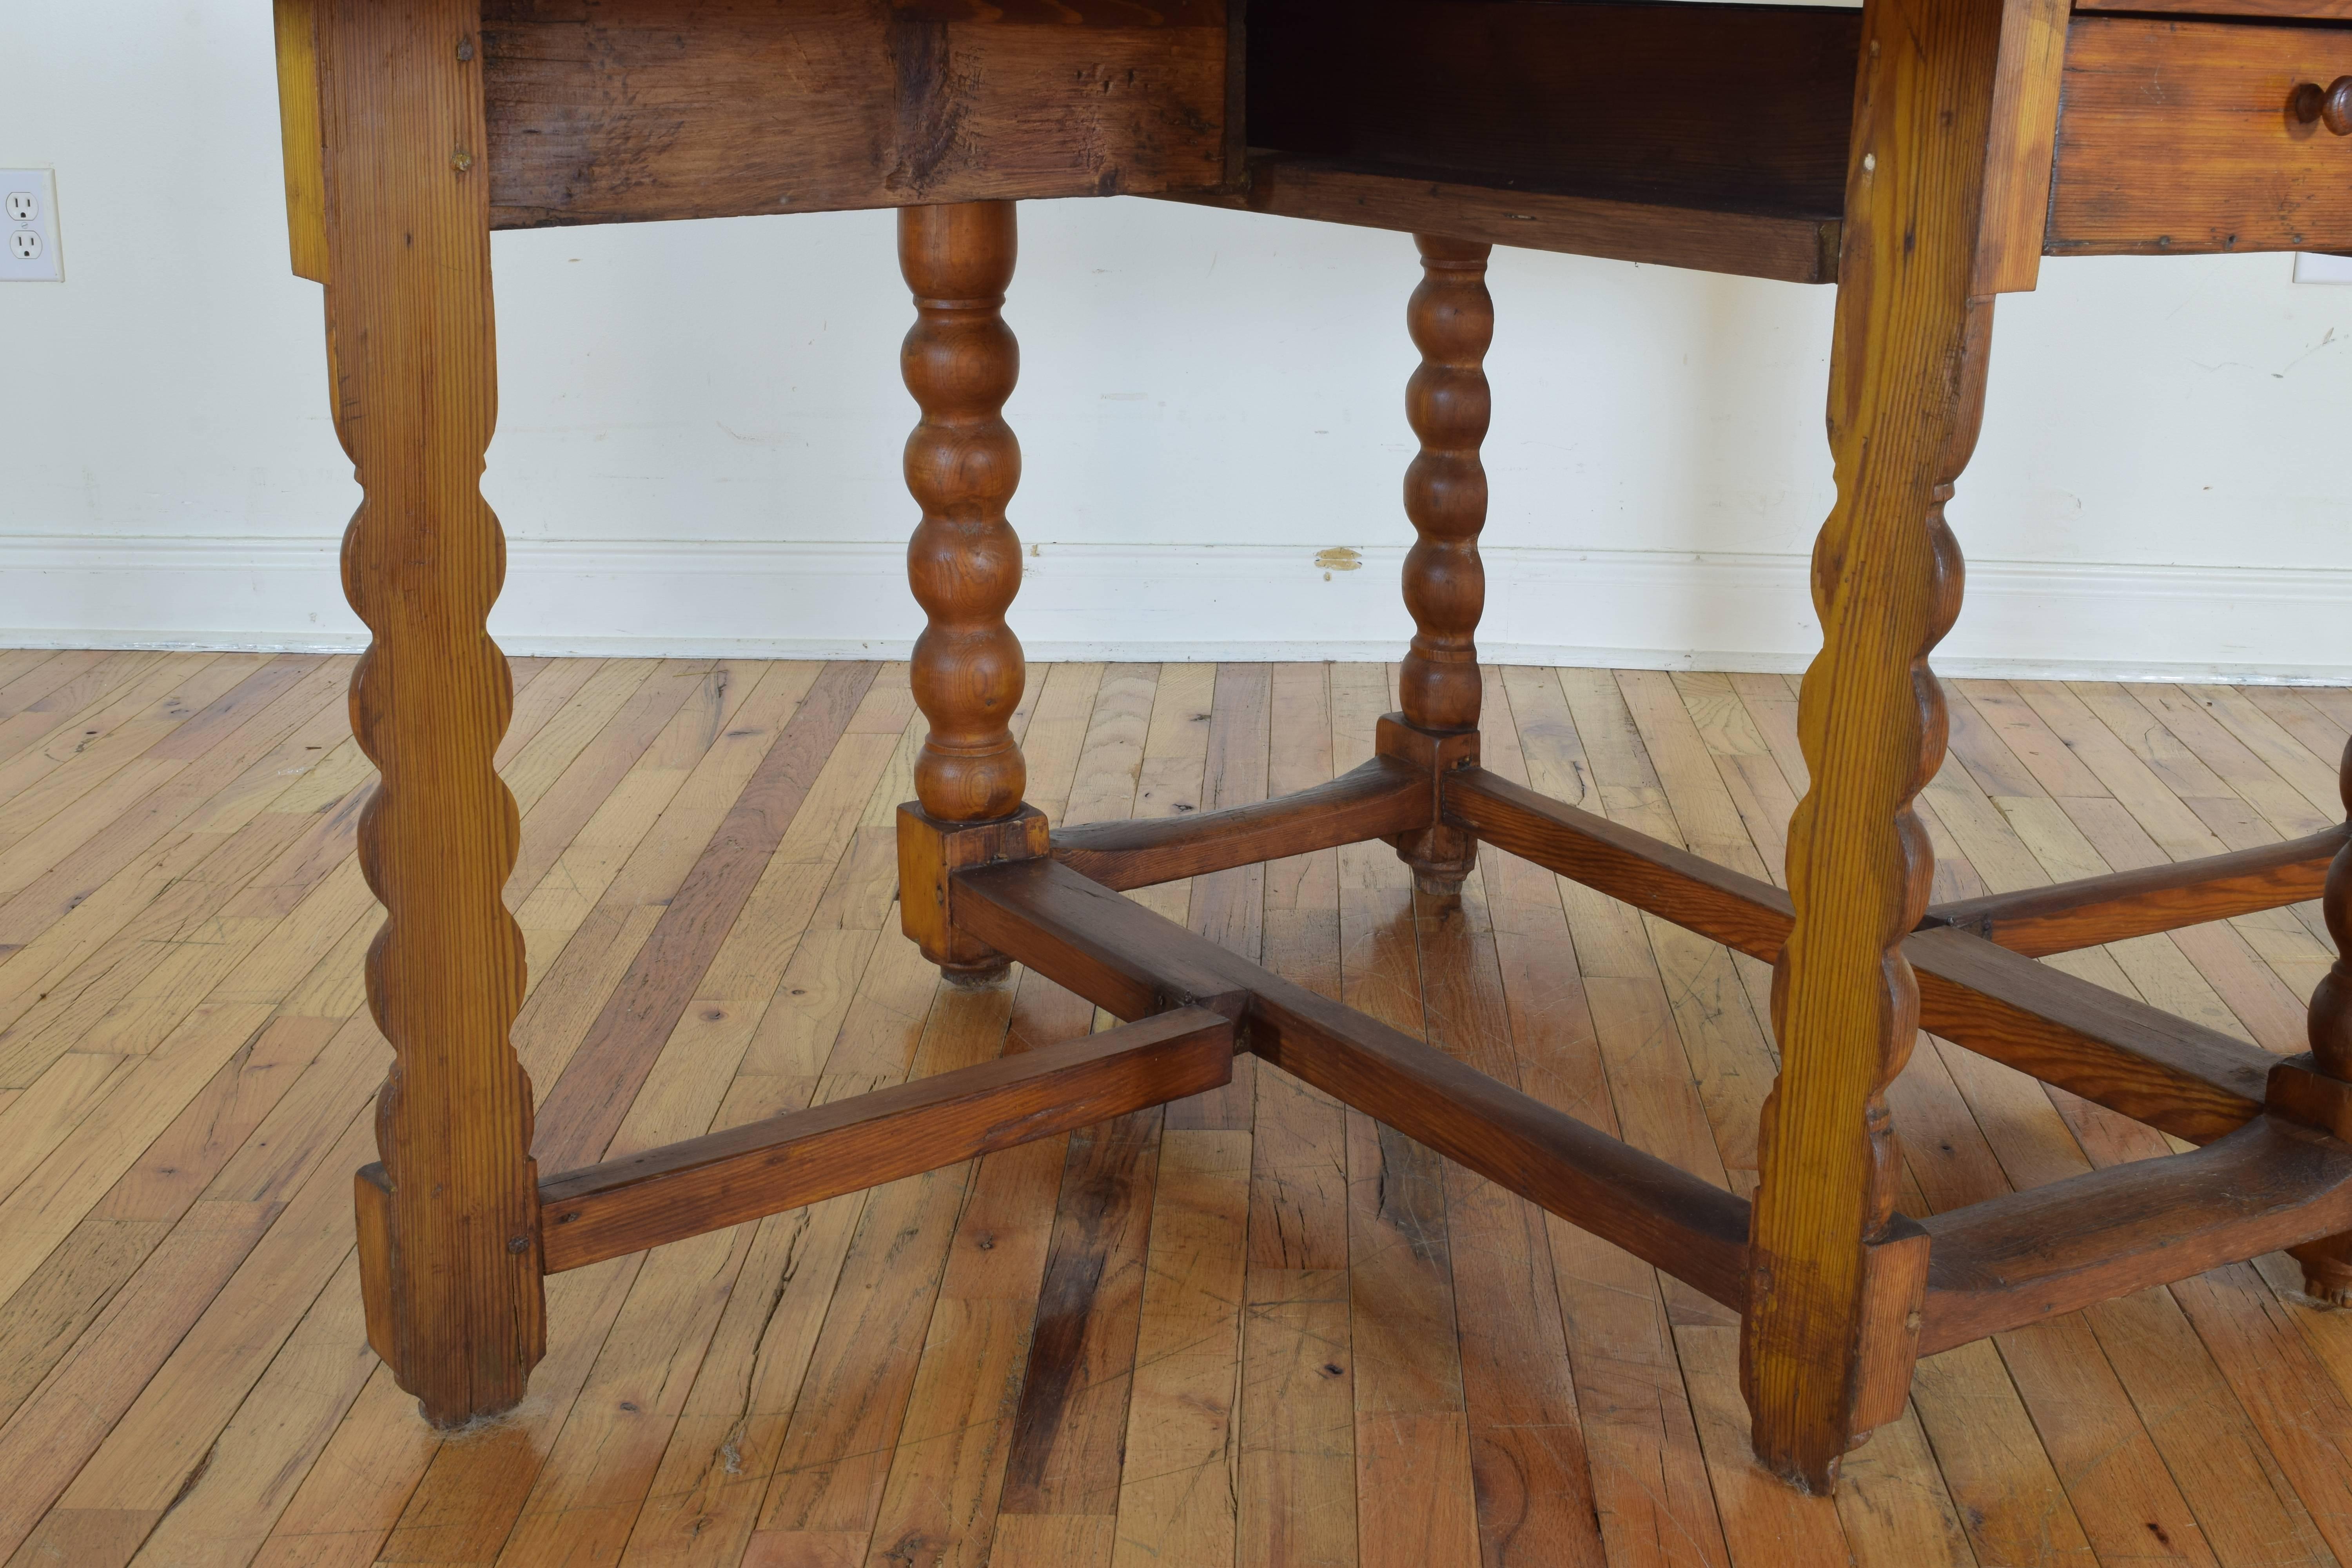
1254	1329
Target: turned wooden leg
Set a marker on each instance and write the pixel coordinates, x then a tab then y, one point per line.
2327	1262
449	1223
1451	320
1837	1278
963	463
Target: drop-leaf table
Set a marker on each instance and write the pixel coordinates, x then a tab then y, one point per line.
1923	155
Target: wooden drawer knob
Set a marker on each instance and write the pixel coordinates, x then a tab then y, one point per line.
2331	105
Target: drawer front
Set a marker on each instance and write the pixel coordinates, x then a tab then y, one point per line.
626	110
2177	136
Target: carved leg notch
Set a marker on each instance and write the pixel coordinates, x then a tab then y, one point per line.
960	362
1451	320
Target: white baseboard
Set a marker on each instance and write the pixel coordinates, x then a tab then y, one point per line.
1636	609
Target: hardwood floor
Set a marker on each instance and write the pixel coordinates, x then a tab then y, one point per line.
1254	1329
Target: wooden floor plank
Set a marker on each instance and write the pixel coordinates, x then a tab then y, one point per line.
1207	747
97	912
45	874
465	1500
2292	810
1622	1068
1413	1490
1091	1379
1529	1474
2122	1500
1893	1506
163	1438
2295	713
89	744
1297	1487
831	1476
837	1452
31	674
266	1102
2144	1338
1063	1454
79	684
1228	906
1714	1001
75	1281
941	1500
596	1471
238	1100
264	956
68	1417
704	1498
729	792
354	1082
1254	1329
1176	1503
601	1075
2308	767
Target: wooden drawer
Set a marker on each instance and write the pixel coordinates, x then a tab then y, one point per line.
2178	136
624	111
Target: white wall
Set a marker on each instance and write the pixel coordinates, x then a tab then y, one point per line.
698	447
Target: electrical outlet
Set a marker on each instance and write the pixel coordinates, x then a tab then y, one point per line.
28	228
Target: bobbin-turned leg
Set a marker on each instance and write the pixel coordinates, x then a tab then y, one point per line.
2327	1262
448	1223
1836	1278
1451	320
959	362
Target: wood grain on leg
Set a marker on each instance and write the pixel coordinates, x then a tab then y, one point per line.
1451	320
1826	1353
959	362
455	1284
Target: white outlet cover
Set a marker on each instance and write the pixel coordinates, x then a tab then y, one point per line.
29	252
2311	268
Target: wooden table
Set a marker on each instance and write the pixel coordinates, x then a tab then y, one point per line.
1923	155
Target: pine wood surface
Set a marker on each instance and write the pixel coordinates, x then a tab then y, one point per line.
1252	1329
711	108
449	1232
2236	169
